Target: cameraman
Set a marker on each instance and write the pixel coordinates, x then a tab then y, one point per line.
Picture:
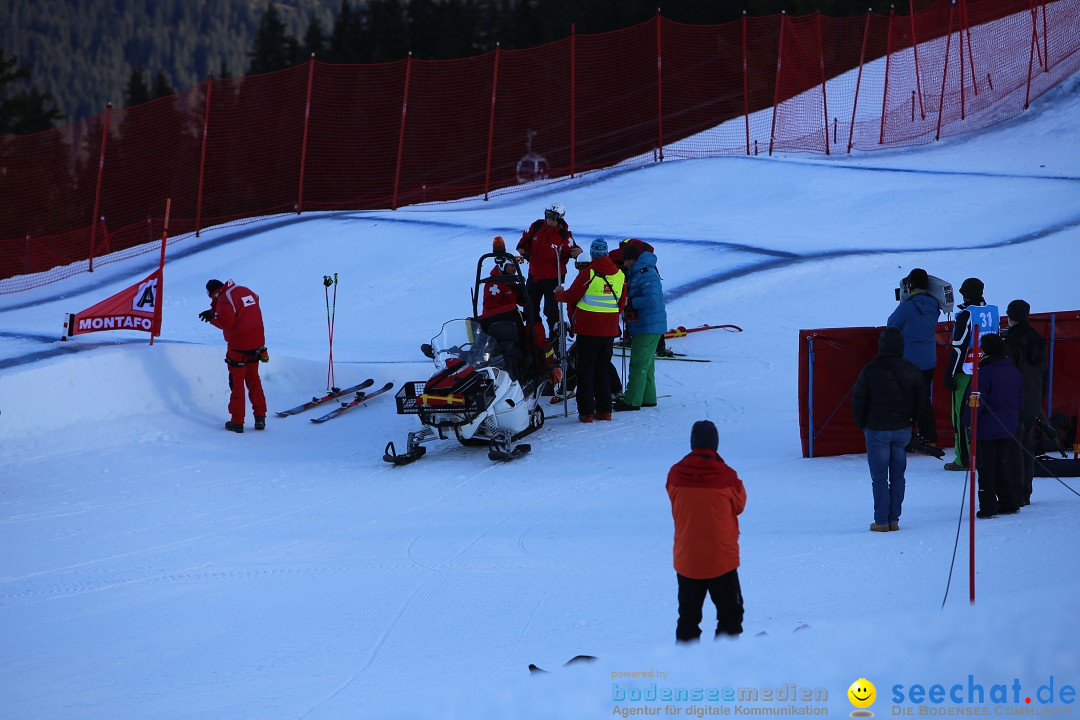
916	317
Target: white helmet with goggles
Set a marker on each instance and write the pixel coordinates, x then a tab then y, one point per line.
555	211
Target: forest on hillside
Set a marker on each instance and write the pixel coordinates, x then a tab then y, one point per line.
84	53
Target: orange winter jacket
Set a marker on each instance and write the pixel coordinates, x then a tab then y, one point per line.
707	497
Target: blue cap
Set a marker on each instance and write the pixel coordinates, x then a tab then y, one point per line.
598	249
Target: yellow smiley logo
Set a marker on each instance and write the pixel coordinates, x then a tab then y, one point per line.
862	693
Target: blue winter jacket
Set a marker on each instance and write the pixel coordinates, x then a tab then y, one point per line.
917	319
646	296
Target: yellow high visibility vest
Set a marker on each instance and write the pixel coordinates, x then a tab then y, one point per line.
602	294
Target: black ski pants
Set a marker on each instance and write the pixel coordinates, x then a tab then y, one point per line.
594	374
726	594
999	474
1028	438
543	290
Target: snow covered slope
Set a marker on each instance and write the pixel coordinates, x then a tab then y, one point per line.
157	566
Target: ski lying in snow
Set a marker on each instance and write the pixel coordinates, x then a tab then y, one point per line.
361	397
684	331
659	354
537	670
325	398
678	358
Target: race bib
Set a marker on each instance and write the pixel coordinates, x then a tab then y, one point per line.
988	320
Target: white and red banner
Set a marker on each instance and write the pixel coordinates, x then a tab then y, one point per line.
135	308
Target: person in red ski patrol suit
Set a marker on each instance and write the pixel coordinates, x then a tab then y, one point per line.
235	310
548	245
500	301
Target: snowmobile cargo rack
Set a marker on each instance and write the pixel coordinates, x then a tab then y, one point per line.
463	405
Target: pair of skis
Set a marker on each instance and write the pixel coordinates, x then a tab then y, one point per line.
360	398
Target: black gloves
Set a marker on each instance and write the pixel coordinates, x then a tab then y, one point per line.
950	381
206	315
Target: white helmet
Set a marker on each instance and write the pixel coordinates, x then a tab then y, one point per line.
555	211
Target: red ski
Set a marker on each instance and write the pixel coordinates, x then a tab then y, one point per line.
684	331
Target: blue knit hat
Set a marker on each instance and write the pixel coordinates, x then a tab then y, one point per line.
598	249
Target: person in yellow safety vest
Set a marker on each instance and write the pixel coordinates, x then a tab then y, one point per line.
596	299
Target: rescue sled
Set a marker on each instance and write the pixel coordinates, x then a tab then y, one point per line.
487	383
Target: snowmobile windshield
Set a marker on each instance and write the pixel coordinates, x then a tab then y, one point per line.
464	339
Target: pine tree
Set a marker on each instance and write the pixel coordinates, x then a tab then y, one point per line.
272	48
162	87
22	108
346	39
388	30
137	91
315	39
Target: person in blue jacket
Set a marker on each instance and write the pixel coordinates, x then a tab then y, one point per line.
916	317
647	322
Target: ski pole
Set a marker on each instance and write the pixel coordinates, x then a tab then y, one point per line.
562	339
330	317
626	349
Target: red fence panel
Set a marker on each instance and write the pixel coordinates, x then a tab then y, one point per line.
533	113
616	95
254	144
703	88
830	360
413	131
353	135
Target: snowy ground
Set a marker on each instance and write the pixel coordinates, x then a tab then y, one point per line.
157	566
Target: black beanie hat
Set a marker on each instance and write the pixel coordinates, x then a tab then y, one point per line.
630	251
212	286
919	279
972	288
992	344
891	342
1018	310
703	436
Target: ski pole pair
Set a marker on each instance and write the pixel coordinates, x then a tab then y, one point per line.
331	314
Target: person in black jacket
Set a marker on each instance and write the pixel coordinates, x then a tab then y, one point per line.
888	396
1027	349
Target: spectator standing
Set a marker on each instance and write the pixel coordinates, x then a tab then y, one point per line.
1027	349
1001	391
707	498
646	322
917	318
887	398
596	297
235	310
961	356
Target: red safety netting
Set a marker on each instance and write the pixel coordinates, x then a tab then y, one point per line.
331	137
830	360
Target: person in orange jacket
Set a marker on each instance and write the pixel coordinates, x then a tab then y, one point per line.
707	498
235	310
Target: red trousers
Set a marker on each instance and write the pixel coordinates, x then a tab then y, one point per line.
244	373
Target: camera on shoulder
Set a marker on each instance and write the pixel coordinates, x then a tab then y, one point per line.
937	288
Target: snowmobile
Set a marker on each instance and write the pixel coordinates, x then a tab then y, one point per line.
488	380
